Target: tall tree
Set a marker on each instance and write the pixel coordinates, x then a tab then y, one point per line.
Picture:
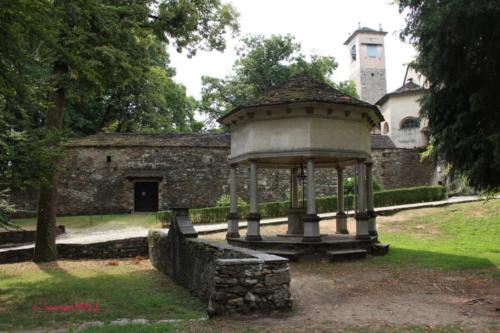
458	44
262	64
99	47
151	101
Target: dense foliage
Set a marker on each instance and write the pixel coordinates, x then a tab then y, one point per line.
264	62
118	75
5	210
323	205
458	44
82	66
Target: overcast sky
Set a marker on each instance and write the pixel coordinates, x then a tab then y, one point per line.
321	26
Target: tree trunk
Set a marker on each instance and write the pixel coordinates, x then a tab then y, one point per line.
45	242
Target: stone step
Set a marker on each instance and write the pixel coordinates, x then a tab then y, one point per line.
289	254
347	254
380	249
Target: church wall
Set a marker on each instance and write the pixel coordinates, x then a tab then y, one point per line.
397	108
193	177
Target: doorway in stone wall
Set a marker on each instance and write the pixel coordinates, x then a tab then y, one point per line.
145	196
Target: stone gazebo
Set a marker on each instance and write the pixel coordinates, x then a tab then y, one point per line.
301	125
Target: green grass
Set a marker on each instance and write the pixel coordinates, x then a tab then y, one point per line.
407	329
460	236
255	327
96	221
154	328
456	237
127	290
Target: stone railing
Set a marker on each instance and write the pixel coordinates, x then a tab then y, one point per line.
230	279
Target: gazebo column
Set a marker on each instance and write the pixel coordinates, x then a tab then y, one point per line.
341	215
232	217
253	217
294	188
294	213
311	219
372	225
361	212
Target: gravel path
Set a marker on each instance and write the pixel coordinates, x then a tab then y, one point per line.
113	232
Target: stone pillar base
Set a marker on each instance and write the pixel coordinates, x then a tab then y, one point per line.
362	226
341	220
295	222
311	228
230	235
372	223
232	226
253	227
253	238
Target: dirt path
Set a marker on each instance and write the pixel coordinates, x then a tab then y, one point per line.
332	296
363	293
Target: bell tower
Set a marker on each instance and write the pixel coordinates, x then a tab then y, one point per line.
367	63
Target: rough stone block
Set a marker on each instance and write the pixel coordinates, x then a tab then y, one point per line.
277	279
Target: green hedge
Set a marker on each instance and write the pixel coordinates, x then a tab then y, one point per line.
325	204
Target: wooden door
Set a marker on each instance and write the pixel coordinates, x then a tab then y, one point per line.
145	197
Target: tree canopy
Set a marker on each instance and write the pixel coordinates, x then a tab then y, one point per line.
458	44
263	63
119	76
73	67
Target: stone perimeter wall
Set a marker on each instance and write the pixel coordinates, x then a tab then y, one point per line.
193	177
229	279
23	236
121	248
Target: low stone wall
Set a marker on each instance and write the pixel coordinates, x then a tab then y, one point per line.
120	248
23	236
228	278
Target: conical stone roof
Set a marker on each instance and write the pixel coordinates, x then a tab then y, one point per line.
302	88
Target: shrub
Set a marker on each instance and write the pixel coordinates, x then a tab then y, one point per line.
323	205
6	209
409	195
225	200
349	185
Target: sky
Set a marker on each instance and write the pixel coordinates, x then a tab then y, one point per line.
321	26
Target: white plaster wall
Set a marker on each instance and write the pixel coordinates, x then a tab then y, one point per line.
300	133
394	110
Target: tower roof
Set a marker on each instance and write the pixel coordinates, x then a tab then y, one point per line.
364	30
301	88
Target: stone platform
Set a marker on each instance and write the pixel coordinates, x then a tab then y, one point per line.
337	247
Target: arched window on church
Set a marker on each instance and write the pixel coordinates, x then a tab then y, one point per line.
386	128
409	123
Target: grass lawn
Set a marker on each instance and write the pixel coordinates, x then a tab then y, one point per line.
236	327
460	243
146	220
460	236
122	288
